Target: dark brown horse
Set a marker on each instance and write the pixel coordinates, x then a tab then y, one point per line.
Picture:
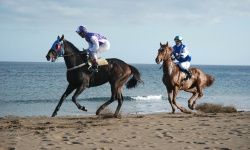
117	72
173	77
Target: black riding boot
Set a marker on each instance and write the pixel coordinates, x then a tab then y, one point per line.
95	66
188	74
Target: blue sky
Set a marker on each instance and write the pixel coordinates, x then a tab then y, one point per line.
215	31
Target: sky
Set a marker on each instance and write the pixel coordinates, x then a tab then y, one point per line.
216	32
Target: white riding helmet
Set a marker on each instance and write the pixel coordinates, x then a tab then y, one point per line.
178	38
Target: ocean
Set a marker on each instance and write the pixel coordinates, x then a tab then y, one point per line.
34	89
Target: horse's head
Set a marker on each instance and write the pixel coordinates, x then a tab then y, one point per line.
164	53
56	49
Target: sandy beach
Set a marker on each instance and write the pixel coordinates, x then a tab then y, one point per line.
155	131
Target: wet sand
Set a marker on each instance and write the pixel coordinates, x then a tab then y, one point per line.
131	132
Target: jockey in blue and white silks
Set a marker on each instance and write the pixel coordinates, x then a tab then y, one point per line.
181	54
97	43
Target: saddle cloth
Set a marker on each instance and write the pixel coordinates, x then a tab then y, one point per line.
102	61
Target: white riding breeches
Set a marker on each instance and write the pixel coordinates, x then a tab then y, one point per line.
184	65
101	48
104	47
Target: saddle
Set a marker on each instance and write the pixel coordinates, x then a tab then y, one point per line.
93	67
102	61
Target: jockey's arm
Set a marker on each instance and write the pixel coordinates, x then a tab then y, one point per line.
184	52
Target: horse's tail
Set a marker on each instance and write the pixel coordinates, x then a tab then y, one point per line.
135	79
210	80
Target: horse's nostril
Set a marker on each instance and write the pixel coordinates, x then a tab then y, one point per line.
156	60
47	58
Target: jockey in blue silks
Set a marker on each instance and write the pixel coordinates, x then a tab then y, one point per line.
181	54
97	43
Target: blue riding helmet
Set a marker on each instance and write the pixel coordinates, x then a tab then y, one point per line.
81	29
178	38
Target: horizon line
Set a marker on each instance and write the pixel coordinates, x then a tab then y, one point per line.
126	62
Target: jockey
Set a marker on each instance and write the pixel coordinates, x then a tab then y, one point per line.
181	54
97	43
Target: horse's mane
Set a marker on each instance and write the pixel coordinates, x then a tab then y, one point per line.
72	46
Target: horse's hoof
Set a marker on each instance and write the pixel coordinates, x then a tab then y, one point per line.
193	107
83	108
117	116
190	107
54	114
98	112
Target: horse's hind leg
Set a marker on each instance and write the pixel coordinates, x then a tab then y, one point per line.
120	101
115	95
192	100
118	92
200	94
77	93
104	105
116	88
65	94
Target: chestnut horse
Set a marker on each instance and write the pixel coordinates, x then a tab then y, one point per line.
116	72
173	79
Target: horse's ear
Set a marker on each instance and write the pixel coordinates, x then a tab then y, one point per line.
160	44
62	38
58	37
167	43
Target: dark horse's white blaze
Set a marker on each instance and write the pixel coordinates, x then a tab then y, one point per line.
117	72
172	77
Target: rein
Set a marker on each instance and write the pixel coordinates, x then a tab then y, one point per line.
76	67
170	69
71	54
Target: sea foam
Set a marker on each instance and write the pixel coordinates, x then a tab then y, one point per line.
149	97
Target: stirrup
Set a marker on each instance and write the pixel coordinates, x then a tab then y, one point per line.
95	68
92	69
185	79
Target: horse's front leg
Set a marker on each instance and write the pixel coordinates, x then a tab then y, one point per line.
181	108
170	99
79	90
65	94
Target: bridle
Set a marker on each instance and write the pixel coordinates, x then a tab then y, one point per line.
165	58
61	50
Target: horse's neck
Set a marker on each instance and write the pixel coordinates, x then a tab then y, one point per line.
71	57
169	67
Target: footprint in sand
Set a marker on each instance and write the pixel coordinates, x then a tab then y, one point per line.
164	135
77	142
